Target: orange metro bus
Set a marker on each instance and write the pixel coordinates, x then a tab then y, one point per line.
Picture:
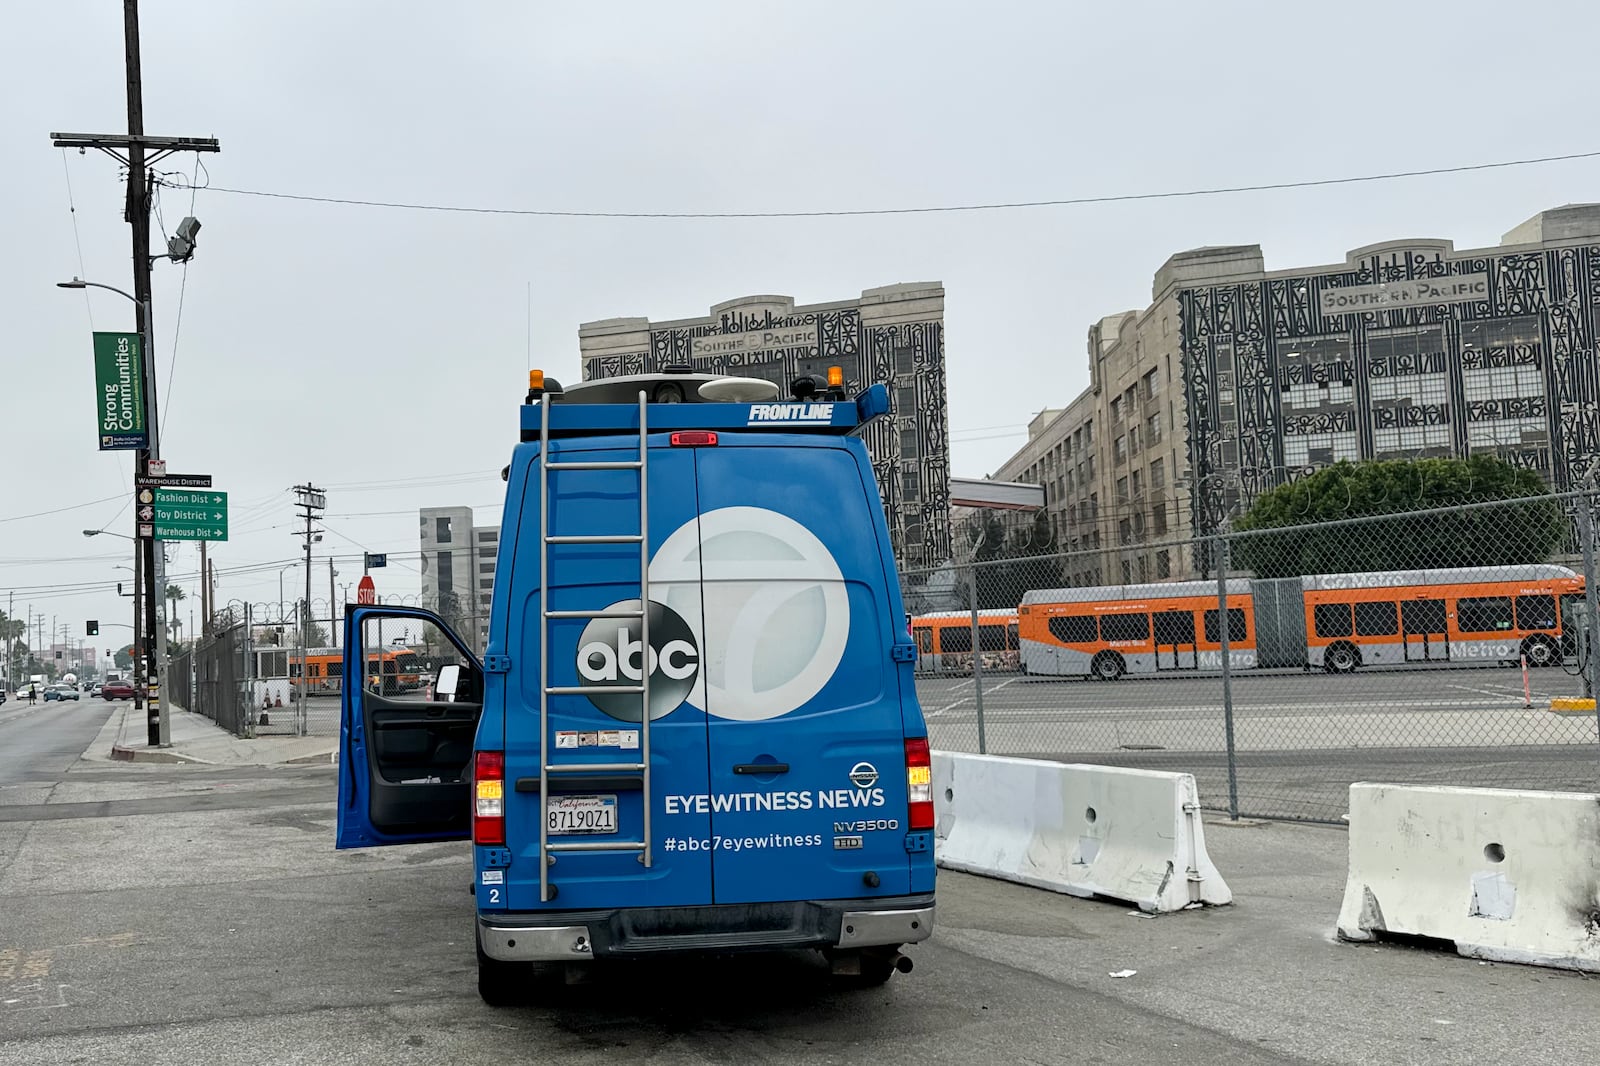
1334	622
944	640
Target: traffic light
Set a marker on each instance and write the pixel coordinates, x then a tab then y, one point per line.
93	627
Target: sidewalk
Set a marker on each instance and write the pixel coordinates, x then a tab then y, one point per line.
197	739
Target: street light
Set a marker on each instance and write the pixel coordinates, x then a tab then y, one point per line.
107	532
154	576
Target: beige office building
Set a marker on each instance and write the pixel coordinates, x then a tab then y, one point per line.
1236	379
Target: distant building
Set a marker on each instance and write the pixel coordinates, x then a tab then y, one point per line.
1236	379
458	563
893	335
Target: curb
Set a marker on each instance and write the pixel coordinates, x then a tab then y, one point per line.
306	760
122	754
1571	705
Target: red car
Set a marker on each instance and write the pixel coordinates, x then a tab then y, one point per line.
117	690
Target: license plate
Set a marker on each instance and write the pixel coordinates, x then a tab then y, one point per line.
567	815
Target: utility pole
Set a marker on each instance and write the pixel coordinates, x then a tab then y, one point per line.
311	501
333	610
205	612
134	143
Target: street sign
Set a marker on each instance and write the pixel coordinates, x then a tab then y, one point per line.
156	468
119	391
174	481
366	591
375	560
182	514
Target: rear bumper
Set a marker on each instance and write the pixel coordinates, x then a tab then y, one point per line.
575	936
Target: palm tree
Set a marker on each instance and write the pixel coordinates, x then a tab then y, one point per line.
175	596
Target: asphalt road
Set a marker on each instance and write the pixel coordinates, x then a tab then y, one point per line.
1300	739
161	914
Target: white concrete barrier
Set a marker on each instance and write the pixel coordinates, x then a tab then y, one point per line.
1509	876
1131	835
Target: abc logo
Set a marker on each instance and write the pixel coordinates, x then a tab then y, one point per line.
768	606
611	654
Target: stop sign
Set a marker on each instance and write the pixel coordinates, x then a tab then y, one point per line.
366	591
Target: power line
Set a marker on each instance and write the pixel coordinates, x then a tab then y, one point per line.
63	510
936	209
72	209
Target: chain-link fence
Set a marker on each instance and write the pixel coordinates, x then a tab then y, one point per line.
212	679
1279	665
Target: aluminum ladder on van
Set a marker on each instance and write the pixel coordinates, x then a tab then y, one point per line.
548	768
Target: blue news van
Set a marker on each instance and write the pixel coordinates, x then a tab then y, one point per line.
694	728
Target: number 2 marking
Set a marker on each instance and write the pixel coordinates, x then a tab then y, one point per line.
494	895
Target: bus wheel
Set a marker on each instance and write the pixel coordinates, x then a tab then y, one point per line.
1108	666
1540	651
1342	659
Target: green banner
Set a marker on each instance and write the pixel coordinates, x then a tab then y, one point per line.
183	514
119	391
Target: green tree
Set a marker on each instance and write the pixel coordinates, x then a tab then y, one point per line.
312	633
124	657
1527	532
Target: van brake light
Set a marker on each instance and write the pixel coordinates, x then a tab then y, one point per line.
694	438
489	797
919	784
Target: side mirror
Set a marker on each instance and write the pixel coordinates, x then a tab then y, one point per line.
445	687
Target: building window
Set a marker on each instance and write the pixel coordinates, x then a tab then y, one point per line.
1158	521
486	583
1127	574
1138	489
909	486
444	566
1153	429
1116	409
1500	332
1133	440
485	568
1152	385
1158	473
909	448
1120	449
1124	532
1144	568
488	536
441	530
905	399
1163	563
904	361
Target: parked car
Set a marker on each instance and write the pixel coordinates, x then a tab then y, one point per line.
60	692
117	690
94	689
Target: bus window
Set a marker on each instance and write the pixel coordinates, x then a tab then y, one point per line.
1378	618
1236	632
991	638
1118	627
955	638
1536	612
924	640
336	669
1424	616
1175	627
1073	629
1484	614
1012	640
1332	619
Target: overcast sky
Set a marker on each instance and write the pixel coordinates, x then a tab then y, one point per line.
381	353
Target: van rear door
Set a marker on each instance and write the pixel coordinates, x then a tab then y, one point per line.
806	731
593	728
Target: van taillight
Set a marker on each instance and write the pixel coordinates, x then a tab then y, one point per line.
919	784
489	798
694	438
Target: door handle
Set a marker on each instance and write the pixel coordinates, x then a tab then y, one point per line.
761	768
